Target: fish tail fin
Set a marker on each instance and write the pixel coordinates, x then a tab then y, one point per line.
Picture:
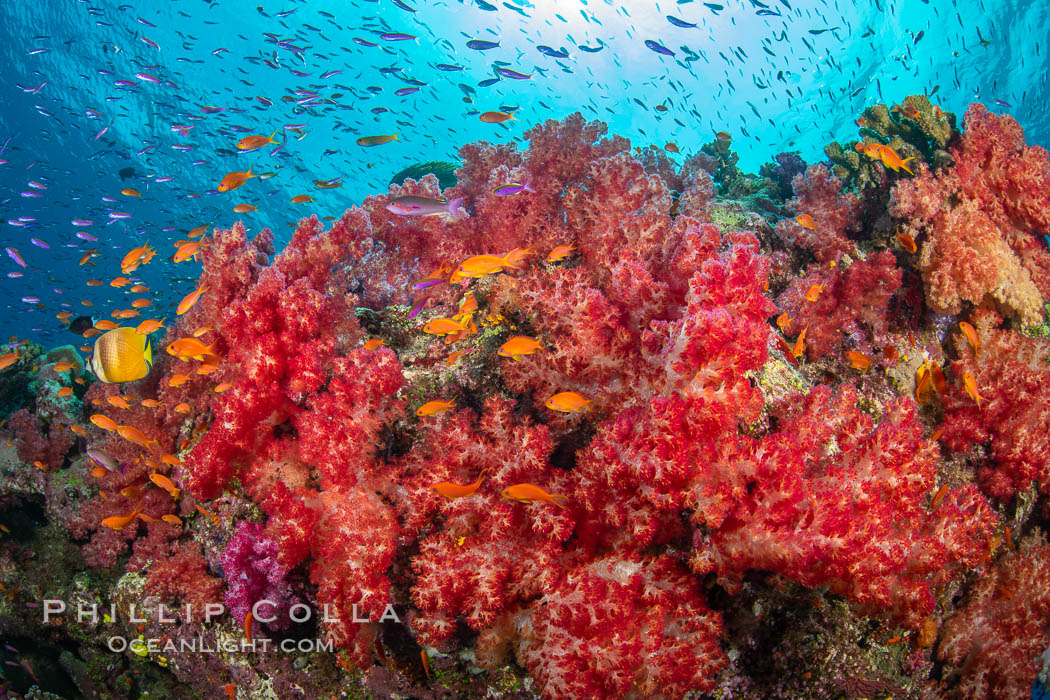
559	500
250	172
528	186
395	136
269	139
456	210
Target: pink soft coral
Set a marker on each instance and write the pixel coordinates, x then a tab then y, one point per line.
980	222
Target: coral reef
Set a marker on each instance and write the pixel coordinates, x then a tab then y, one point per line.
991	646
1011	374
981	222
819	195
717	504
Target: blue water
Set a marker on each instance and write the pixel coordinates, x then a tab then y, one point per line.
777	74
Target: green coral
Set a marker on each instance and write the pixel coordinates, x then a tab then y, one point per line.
444	171
916	129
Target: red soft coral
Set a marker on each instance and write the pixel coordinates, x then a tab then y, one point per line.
833	499
645	631
1013	378
818	193
992	645
852	304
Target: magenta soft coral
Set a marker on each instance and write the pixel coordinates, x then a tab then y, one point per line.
852	303
819	194
253	573
980	222
1012	376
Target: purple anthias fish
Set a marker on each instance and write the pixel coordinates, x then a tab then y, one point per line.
512	188
416	205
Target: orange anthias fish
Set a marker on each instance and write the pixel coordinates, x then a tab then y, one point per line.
452	491
907	242
133	434
970	384
518	346
784	322
858	360
434	407
189	300
671	147
150	325
568	402
118	402
301	199
130	192
481	265
250	143
806	221
119	522
560	252
141	303
188	250
135	257
63	366
165	483
245	208
814	292
374	343
8	359
178	379
443	326
233	180
800	344
191	348
971	336
527	493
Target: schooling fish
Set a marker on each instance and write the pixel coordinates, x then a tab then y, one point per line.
377	140
417	205
121	355
658	47
481	44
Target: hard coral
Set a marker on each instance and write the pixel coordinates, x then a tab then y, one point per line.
1011	372
981	222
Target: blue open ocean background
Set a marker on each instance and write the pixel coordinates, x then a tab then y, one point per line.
168	87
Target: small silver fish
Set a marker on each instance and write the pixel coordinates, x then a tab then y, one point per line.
416	205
